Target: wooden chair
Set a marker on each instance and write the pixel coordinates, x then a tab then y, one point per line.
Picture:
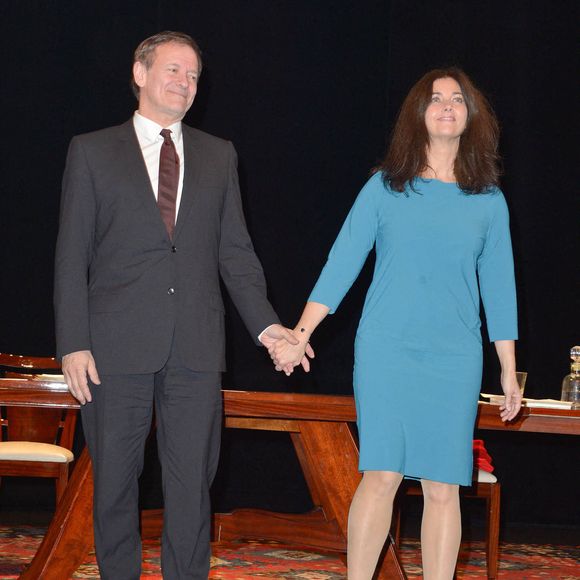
35	442
486	487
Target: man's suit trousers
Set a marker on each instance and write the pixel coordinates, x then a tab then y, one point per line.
188	409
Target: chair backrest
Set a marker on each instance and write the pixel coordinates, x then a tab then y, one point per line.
40	425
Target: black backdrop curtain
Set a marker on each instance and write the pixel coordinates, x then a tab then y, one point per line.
308	91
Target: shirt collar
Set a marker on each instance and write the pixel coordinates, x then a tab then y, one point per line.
150	131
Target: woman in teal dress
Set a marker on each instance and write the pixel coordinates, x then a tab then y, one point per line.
439	224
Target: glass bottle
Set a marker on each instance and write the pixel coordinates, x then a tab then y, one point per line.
571	382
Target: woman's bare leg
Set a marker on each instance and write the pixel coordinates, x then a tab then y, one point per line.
369	521
440	530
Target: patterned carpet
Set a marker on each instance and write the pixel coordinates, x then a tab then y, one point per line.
244	561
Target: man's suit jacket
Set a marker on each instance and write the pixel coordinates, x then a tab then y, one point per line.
123	289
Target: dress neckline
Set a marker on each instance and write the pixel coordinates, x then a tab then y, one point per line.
430	179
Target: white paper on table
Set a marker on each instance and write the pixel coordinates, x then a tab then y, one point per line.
537	403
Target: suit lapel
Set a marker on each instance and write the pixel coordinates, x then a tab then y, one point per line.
192	158
137	174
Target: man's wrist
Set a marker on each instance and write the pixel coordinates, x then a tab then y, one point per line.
264	331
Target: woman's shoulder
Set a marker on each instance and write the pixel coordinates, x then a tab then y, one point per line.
493	203
375	180
377	186
494	192
492	196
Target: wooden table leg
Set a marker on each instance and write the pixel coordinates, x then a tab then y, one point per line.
70	534
328	455
318	528
390	564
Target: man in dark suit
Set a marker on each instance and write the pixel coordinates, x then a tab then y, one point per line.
151	218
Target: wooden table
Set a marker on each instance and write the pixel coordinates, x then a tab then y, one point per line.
320	429
531	420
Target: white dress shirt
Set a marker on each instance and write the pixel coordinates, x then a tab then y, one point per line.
150	141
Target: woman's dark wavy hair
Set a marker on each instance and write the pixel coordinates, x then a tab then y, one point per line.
476	166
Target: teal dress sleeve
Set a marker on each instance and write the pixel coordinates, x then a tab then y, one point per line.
351	247
495	268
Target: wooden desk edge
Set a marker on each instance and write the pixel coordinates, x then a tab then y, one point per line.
315	407
530	419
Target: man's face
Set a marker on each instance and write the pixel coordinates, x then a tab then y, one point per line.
168	87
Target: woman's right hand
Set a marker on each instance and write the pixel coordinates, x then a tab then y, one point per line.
286	356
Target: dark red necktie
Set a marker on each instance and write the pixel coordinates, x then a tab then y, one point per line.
168	181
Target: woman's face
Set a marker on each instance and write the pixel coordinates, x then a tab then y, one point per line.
446	114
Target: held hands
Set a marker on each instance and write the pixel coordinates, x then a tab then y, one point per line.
286	350
286	356
513	397
75	367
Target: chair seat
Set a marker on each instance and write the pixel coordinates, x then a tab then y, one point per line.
29	451
485	477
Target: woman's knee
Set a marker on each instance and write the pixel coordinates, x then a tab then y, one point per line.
382	483
441	493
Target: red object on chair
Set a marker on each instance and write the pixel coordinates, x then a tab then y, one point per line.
481	458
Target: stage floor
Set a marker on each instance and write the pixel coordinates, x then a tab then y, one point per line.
247	560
